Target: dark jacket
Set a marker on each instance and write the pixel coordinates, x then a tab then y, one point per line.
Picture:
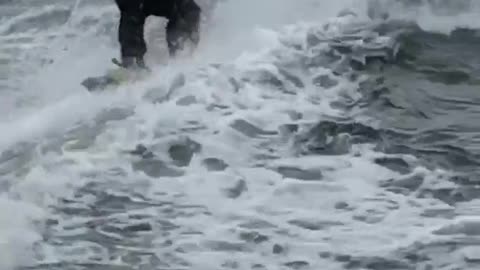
183	23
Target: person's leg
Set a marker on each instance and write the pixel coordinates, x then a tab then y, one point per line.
183	25
130	32
174	37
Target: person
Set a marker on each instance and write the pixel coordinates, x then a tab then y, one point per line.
183	25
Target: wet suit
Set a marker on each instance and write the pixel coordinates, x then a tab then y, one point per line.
183	24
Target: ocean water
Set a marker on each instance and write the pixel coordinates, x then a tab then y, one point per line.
300	135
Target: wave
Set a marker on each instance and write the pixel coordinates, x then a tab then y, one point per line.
262	156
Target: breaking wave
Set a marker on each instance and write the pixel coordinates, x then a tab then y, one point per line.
267	150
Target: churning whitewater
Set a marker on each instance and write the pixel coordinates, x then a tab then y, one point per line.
269	149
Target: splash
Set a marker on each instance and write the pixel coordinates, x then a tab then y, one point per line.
432	16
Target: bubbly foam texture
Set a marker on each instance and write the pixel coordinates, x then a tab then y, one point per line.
17	232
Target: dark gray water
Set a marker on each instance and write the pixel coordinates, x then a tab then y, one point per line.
428	99
428	106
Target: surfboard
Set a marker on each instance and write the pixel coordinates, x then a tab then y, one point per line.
113	78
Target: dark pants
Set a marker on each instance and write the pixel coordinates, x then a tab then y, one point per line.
183	24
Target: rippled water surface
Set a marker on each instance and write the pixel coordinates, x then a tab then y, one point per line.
306	137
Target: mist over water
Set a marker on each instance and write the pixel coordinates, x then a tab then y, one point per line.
300	135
